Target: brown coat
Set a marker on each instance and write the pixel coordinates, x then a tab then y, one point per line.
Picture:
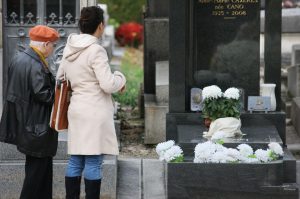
91	126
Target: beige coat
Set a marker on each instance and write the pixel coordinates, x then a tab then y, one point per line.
91	126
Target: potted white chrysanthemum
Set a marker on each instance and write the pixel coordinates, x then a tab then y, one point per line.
222	110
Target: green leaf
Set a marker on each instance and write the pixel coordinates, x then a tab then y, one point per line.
252	156
178	159
220	141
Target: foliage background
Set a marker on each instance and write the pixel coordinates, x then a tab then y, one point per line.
132	68
125	10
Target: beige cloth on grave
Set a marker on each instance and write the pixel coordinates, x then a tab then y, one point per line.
229	125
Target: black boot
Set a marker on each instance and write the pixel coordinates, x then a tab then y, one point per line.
72	187
92	189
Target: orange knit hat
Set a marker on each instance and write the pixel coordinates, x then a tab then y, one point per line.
43	34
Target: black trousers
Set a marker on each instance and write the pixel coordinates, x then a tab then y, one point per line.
38	178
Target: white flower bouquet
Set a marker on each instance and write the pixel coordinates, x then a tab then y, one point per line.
169	152
219	105
214	152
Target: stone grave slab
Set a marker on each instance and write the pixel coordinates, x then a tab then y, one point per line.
232	181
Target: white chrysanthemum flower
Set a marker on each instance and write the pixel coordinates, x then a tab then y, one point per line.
219	157
205	146
218	135
245	150
211	92
162	147
251	160
232	93
219	147
276	148
234	154
199	160
205	156
204	151
262	155
173	153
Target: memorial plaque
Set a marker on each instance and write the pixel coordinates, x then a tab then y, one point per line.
196	99
226	34
259	103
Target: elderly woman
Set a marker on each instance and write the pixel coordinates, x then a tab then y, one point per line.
91	131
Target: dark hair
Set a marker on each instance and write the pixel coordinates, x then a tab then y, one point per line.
90	18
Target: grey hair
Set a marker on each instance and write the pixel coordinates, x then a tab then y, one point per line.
37	43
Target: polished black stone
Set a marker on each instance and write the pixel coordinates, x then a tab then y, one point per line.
258	127
226	47
272	180
156	49
156	42
273	46
208	49
256	136
157	9
289	166
179	56
211	49
228	181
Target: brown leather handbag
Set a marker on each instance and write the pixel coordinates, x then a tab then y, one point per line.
59	114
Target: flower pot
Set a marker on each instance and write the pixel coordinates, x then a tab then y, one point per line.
207	122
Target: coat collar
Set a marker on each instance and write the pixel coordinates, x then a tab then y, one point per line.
30	52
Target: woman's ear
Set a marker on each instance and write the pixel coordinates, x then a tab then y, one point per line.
100	26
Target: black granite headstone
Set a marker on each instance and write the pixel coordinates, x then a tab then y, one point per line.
226	35
213	42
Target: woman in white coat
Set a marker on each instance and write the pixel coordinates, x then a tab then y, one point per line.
91	131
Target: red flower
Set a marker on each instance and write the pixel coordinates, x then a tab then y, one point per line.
130	34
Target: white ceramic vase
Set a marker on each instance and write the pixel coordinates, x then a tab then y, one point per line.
268	90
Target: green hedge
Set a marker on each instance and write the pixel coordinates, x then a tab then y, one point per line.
125	10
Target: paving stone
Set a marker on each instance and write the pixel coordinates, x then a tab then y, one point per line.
109	178
154	186
12	176
129	179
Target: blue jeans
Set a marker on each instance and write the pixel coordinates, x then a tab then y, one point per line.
90	165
